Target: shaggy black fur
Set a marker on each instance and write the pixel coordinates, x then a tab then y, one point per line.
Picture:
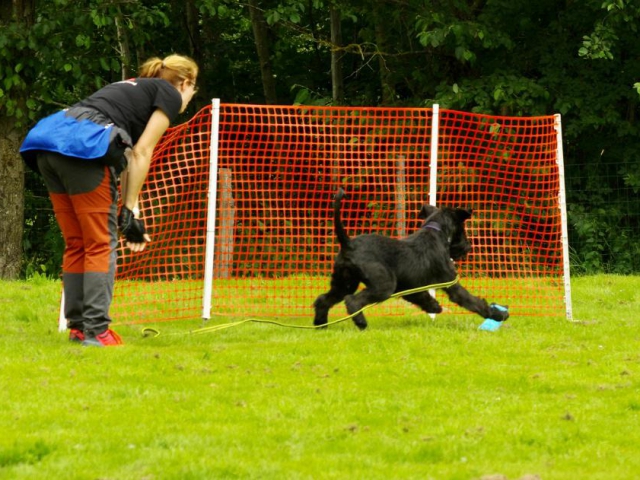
386	266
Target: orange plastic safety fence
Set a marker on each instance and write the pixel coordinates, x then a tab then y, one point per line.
165	281
507	170
278	169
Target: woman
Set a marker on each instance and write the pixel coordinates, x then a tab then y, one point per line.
80	152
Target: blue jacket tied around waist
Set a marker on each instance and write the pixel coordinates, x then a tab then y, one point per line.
78	132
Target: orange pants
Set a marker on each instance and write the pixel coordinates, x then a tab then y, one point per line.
84	197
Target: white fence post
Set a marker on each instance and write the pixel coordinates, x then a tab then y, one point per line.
211	210
62	320
562	200
433	168
433	155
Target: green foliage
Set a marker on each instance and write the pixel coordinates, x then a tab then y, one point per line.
64	56
451	30
501	57
67	53
43	245
304	96
496	93
620	16
599	45
604	245
290	11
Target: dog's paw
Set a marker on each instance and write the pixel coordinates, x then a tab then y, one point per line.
360	323
320	319
498	312
434	308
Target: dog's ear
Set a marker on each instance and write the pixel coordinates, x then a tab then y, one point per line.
463	214
426	211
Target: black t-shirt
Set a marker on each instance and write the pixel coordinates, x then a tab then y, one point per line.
130	103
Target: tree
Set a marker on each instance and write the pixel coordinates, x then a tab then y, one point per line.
52	54
261	38
16	17
508	57
381	29
337	79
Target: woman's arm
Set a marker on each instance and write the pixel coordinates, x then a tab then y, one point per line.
140	158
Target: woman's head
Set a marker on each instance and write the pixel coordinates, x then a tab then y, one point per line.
180	71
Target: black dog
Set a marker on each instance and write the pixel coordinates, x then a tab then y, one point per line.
386	266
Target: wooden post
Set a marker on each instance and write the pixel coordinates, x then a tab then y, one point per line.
223	258
401	197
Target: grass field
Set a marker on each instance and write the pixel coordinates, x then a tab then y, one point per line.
410	398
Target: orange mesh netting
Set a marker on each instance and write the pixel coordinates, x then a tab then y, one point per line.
165	281
278	169
506	169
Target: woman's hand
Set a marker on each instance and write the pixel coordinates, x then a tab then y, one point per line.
133	230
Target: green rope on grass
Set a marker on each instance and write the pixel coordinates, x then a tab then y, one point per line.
149	331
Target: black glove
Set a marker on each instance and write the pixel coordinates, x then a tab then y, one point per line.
132	228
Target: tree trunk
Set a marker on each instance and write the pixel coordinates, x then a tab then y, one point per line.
123	42
11	165
382	41
337	79
261	38
11	200
193	30
21	11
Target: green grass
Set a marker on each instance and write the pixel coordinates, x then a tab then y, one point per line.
409	398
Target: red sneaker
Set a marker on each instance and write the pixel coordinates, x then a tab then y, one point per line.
76	336
108	338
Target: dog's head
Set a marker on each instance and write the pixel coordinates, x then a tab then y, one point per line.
451	222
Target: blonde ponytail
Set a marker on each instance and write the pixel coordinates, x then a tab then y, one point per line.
174	69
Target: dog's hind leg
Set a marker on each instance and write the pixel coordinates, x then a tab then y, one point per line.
425	301
380	286
458	294
323	304
342	285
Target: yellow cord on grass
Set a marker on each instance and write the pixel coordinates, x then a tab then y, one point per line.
149	331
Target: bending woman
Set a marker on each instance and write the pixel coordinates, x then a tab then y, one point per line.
80	153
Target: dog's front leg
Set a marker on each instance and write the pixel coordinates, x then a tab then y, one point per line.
425	301
458	294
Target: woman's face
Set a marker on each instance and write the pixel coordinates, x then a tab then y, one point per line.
187	90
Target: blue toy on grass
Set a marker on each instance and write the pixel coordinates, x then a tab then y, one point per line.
491	325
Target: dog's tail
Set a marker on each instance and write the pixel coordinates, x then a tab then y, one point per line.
340	232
